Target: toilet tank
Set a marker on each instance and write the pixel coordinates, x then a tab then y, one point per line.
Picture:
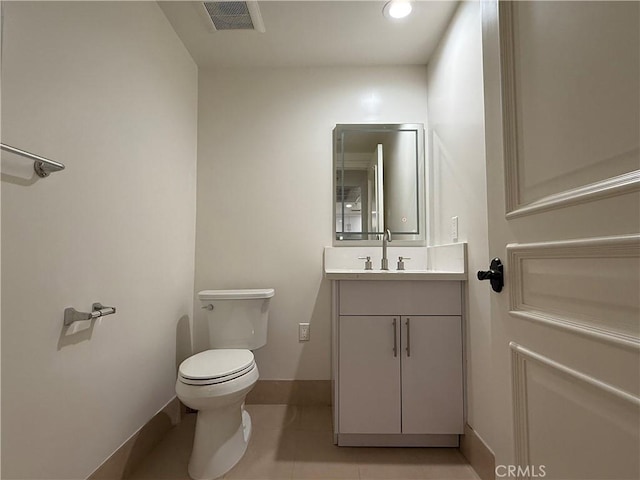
237	318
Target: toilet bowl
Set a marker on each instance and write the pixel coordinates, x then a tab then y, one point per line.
215	382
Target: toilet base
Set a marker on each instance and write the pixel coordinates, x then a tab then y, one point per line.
220	441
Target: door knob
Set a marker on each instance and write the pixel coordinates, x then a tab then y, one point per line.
495	275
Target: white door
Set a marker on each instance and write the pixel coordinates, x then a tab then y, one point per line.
432	374
369	382
562	126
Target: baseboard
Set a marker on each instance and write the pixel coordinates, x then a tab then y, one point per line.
396	440
478	454
127	457
291	392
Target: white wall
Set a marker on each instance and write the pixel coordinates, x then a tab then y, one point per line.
264	163
109	90
458	188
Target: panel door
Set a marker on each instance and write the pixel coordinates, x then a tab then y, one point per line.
562	120
432	381
369	374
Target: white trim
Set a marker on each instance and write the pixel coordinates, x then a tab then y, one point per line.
256	16
579	328
520	407
609	187
335	360
611	247
397	440
509	108
604	188
478	454
519	358
121	459
521	351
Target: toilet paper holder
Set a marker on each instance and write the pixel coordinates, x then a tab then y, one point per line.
71	315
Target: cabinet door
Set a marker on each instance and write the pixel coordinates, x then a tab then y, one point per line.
432	398
369	374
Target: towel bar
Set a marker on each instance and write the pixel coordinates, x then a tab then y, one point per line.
42	166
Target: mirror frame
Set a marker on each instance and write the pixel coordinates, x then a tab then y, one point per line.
420	187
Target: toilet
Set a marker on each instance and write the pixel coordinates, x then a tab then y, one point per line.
215	382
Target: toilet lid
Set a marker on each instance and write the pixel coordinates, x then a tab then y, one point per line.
217	364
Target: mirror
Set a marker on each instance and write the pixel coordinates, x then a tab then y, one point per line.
378	183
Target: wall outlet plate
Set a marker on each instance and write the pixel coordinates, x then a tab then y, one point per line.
304	332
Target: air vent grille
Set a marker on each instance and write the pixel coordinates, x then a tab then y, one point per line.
230	15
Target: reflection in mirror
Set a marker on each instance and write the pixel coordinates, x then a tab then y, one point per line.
379	183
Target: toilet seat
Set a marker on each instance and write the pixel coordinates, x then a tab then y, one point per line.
216	366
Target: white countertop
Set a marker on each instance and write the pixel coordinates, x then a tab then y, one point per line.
352	274
441	262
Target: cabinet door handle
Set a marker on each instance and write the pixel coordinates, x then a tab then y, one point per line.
395	337
408	337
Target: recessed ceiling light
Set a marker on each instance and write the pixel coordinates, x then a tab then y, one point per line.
397	9
348	205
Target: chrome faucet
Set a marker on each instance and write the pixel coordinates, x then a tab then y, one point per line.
385	239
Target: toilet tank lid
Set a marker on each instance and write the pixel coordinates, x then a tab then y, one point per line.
239	294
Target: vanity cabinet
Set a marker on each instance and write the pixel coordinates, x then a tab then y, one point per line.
399	363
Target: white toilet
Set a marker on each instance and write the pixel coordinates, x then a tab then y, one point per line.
215	382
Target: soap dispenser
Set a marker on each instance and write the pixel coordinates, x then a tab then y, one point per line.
401	262
367	264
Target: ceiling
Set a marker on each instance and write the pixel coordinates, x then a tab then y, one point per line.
314	33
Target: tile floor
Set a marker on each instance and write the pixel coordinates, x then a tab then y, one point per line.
296	443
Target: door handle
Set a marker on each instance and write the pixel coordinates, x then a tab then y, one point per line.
495	275
408	337
395	337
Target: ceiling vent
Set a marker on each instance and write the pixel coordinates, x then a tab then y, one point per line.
234	15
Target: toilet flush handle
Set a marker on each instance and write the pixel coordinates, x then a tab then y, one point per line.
208	307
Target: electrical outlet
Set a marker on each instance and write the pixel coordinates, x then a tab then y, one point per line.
304	332
454	229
